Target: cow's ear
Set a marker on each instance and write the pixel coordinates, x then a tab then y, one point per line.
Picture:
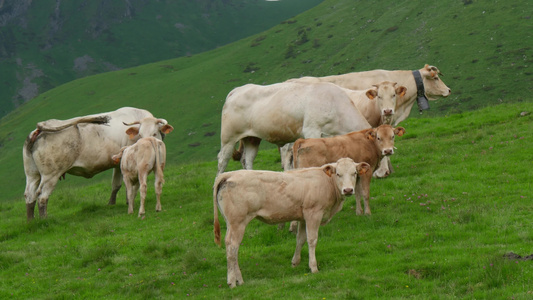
329	170
399	131
362	168
370	134
401	90
371	94
166	129
427	67
132	132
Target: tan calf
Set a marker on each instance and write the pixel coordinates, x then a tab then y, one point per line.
312	196
136	162
369	145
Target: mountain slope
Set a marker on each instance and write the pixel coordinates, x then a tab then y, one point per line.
49	42
335	37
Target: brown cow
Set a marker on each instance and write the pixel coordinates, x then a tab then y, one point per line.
312	196
136	162
369	145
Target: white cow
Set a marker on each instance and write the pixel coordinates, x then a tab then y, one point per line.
311	196
137	162
281	113
79	147
431	87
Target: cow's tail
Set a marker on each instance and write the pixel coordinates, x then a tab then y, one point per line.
237	154
57	125
159	147
297	145
221	179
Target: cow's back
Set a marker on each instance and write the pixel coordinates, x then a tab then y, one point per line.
320	151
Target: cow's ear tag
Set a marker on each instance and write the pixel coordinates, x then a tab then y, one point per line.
362	168
166	129
132	132
399	131
370	135
329	170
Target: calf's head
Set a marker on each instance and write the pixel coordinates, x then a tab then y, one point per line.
383	137
345	172
386	94
433	85
149	127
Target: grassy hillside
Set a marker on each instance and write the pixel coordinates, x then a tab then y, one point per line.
459	201
479	46
47	43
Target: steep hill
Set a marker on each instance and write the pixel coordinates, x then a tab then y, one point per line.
482	48
49	42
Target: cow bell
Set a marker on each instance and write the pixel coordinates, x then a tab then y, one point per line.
423	103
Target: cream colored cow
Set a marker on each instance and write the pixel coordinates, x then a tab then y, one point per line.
311	196
80	146
136	163
281	113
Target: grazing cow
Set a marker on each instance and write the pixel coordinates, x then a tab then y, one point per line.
79	147
281	113
312	196
138	160
421	85
369	145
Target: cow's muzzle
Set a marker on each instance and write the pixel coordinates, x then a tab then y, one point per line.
347	191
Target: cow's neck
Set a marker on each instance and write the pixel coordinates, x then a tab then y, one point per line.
404	106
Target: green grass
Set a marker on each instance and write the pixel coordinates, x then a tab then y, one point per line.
460	198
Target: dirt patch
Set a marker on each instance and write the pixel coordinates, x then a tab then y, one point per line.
514	256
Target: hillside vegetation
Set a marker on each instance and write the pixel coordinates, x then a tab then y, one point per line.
481	47
453	222
46	43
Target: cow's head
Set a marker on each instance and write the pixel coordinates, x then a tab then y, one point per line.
433	85
149	127
383	137
345	172
386	94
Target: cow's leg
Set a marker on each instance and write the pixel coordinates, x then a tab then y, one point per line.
251	147
286	156
116	183
158	190
234	235
358	195
312	226
301	237
131	192
30	194
384	168
294	226
46	187
365	190
224	156
142	181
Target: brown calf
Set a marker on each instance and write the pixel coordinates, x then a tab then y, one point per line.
369	145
